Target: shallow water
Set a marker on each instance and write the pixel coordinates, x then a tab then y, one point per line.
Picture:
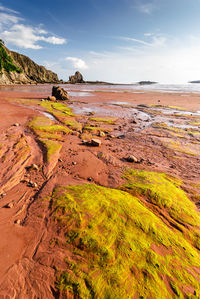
175	111
47	114
79	94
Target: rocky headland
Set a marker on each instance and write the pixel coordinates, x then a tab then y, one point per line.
16	68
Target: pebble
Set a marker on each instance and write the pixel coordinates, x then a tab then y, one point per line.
51	98
95	142
132	159
90	179
121	136
32	184
17	221
16	125
102	134
34	166
9	205
74	163
111	136
60	160
2	194
134	121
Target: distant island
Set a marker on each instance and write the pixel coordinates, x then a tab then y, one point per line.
146	82
196	81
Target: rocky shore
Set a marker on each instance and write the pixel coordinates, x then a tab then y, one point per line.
99	193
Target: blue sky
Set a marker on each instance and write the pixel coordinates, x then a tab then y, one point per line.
118	41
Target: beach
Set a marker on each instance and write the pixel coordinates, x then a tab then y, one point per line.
159	130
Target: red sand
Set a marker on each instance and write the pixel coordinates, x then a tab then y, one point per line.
21	246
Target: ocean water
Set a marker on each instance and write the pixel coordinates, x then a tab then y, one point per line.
136	88
82	90
171	88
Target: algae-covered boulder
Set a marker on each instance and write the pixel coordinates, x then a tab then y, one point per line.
116	247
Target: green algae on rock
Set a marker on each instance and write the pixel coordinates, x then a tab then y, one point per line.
163	191
121	249
48	134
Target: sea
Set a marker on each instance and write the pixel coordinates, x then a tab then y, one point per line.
137	88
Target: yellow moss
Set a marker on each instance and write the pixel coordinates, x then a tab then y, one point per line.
52	147
47	133
110	235
57	107
73	124
96	129
163	191
194	123
108	120
182	148
176	107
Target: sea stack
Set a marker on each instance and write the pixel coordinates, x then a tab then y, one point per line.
76	78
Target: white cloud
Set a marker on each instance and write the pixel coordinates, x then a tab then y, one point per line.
15	32
171	61
7	19
155	40
53	40
3	8
77	63
147	8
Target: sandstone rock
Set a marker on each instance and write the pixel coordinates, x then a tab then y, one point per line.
32	184
9	205
77	78
17	221
34	166
2	194
27	71
95	142
59	93
132	159
121	136
51	98
110	136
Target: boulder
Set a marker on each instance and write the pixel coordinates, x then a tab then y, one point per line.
51	98
132	159
95	142
77	78
60	94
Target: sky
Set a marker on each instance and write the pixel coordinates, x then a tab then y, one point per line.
120	41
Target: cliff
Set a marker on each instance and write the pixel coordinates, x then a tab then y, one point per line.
16	68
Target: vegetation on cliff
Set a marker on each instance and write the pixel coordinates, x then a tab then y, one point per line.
17	68
6	61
